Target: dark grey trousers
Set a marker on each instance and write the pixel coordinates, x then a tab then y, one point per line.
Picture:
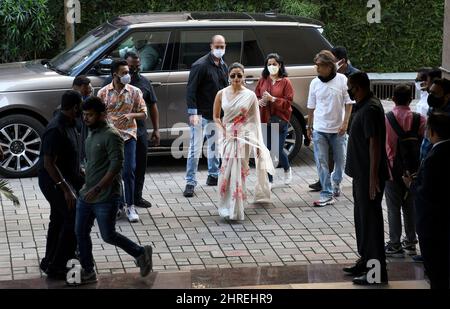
396	205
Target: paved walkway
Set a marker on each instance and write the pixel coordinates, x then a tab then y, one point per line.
188	234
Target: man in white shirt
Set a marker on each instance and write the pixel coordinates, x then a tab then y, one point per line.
422	87
329	110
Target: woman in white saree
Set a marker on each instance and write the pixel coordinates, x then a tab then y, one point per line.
241	133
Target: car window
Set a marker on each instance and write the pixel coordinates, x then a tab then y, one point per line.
252	55
194	44
89	46
151	47
297	45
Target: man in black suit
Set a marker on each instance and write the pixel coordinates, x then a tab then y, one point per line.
432	204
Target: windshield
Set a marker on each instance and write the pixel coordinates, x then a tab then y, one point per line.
89	45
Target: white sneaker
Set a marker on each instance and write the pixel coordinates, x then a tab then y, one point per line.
288	176
132	214
324	202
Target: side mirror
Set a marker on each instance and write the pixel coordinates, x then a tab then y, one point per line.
103	67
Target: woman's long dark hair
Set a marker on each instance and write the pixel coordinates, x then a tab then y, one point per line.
281	72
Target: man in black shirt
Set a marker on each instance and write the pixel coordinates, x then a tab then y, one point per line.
367	165
148	92
60	179
208	75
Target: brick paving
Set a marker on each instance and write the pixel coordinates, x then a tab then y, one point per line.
188	233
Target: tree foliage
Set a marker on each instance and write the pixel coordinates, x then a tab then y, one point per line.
408	37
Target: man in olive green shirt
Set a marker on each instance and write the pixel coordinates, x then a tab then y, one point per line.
100	196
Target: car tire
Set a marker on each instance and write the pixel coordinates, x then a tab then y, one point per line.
295	133
21	140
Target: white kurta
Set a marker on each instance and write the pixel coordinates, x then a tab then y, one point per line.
243	134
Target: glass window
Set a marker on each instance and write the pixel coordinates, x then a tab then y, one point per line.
297	45
252	55
89	46
151	47
195	44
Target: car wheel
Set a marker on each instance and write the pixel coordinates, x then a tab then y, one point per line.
20	139
294	139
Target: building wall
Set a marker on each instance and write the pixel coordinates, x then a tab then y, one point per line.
446	45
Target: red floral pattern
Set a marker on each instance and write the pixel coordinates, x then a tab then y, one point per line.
239	194
224	187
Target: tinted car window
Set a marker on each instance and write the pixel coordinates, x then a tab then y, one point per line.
297	45
194	44
252	55
85	48
151	47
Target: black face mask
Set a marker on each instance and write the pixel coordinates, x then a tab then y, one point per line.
351	95
134	72
328	78
434	101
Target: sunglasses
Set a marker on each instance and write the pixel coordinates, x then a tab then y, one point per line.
233	76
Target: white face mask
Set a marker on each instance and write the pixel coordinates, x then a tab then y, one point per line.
419	86
273	69
339	64
126	79
218	53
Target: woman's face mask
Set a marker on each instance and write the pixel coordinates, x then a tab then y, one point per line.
273	69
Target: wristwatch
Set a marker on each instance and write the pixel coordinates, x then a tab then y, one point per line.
97	189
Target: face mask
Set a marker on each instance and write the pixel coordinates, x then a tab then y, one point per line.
350	93
273	69
418	86
434	101
134	71
339	64
218	53
125	79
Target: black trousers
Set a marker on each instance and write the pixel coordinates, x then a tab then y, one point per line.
369	223
61	240
435	252
141	166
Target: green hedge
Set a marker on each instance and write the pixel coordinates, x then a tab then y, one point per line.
408	37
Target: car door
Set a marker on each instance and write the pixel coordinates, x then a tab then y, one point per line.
152	47
190	45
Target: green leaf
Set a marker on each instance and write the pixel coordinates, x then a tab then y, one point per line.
8	193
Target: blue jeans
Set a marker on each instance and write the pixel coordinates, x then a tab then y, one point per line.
105	213
322	143
280	139
207	129
128	171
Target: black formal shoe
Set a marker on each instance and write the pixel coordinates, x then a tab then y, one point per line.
189	191
354	270
362	280
56	274
211	181
143	203
316	186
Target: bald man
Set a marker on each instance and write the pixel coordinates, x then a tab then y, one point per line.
208	75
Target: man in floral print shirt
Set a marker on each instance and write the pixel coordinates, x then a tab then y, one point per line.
124	104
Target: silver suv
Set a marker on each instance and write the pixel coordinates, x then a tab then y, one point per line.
168	44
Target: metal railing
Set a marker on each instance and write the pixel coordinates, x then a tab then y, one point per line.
383	84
